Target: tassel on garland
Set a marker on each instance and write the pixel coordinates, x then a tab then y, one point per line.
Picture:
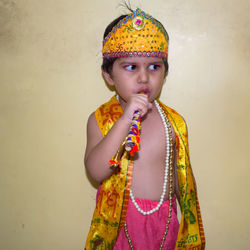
131	142
114	162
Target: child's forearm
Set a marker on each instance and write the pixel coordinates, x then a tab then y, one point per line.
97	160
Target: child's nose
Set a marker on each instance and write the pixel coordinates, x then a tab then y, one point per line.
143	76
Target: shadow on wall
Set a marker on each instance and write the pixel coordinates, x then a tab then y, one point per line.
8	22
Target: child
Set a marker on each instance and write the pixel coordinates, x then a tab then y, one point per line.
136	202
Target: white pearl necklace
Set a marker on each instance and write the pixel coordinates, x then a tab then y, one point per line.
168	148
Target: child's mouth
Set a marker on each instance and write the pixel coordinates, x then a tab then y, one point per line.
145	92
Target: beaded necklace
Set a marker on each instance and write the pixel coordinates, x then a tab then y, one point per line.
169	166
169	151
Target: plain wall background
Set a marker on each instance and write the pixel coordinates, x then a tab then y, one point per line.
50	81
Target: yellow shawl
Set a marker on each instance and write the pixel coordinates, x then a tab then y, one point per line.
110	212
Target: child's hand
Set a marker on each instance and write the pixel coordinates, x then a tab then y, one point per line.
137	102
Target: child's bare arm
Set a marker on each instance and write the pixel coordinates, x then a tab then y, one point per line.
99	149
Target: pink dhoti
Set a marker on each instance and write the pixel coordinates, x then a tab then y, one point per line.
146	231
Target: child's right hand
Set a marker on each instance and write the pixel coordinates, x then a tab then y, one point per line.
136	102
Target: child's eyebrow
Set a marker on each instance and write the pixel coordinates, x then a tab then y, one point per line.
126	62
156	62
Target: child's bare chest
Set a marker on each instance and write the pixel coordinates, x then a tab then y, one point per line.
149	163
153	142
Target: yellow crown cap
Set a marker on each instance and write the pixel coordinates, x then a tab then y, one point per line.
138	34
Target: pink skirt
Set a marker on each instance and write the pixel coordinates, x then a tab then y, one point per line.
146	231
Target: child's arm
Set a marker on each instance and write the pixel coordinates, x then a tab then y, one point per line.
99	149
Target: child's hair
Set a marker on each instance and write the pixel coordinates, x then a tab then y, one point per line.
107	63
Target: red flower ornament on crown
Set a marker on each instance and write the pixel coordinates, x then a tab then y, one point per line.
138	23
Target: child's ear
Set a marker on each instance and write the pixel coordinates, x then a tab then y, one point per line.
108	78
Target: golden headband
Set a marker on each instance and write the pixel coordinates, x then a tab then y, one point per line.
138	34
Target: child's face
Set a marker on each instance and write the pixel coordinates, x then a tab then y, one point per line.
132	75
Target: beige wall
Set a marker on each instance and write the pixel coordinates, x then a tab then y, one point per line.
50	82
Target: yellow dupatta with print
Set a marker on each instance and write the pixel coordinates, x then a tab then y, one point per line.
110	212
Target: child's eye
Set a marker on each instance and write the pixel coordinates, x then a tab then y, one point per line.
154	66
130	67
